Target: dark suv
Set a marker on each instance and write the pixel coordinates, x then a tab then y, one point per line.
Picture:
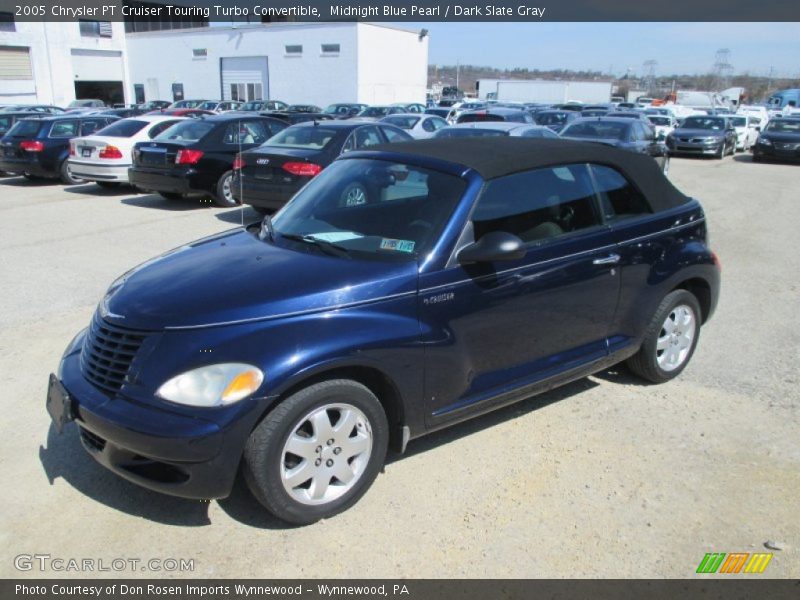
40	147
195	157
475	273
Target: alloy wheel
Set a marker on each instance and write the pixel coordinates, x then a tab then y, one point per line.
675	339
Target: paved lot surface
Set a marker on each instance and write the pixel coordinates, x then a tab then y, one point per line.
602	478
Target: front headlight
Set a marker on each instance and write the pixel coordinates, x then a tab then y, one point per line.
214	385
764	141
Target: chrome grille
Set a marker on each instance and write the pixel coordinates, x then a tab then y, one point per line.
108	353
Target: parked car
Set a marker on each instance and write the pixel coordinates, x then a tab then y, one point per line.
84	104
411	107
495	113
663	124
706	135
293	118
120	113
344	110
625	134
220	106
263	105
7	120
628	114
181	112
462	107
39	147
495	128
746	131
476	274
153	105
439	112
556	119
303	108
758	112
34	108
574	106
186	104
195	156
594	112
375	113
779	140
417	125
105	156
268	176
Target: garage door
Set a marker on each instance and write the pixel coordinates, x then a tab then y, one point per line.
245	78
97	65
15	63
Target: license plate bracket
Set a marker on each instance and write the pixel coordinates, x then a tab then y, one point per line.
59	403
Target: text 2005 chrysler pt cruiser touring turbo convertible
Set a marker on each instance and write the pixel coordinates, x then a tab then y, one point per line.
404	289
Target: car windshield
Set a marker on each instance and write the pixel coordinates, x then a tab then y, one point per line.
738	121
714	123
81	103
371	209
596	129
123	129
456	132
550	118
777	126
208	105
186	131
25	128
594	113
665	121
251	106
402	122
375	111
305	137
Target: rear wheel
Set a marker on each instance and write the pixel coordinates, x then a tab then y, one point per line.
171	195
723	150
224	196
67	176
670	339
318	451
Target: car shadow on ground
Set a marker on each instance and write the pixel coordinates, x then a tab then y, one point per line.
64	458
745	158
92	189
155	201
237	216
19	181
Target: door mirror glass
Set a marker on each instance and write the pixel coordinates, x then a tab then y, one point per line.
494	246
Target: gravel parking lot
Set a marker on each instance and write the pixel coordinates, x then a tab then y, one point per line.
602	478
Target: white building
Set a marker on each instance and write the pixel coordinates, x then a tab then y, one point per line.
53	63
315	63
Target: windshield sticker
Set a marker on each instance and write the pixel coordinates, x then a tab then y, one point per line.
397	245
336	236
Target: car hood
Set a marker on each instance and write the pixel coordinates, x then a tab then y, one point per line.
780	137
235	277
699	132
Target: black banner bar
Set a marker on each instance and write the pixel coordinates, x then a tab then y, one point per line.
256	11
733	587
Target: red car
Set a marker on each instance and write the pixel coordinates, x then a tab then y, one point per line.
181	112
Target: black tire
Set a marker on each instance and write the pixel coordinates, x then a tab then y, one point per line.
109	185
30	177
224	196
262	211
645	362
264	459
723	150
171	195
733	148
66	175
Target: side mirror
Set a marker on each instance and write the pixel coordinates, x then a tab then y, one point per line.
494	246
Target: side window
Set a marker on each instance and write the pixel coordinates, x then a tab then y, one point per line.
537	205
366	137
64	129
428	125
618	198
392	135
438	123
89	127
349	143
245	132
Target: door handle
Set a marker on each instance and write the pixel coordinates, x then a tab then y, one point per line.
611	259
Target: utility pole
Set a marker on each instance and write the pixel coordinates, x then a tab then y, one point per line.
722	70
769	80
457	69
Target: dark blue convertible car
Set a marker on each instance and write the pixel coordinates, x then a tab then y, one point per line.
464	275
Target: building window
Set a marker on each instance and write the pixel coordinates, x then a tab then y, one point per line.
15	63
294	50
7	21
138	92
95	28
247	92
200	53
330	49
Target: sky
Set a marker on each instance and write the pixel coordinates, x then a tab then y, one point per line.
679	48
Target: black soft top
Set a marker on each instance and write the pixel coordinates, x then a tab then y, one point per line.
493	157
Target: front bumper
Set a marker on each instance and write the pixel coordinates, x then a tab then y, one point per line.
159	449
91	171
771	152
695	148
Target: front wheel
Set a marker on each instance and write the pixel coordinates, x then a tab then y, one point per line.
224	196
723	150
317	452
670	338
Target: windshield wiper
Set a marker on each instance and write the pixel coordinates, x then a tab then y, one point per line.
324	245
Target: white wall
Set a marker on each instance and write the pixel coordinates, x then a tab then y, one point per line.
167	58
392	65
51	47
